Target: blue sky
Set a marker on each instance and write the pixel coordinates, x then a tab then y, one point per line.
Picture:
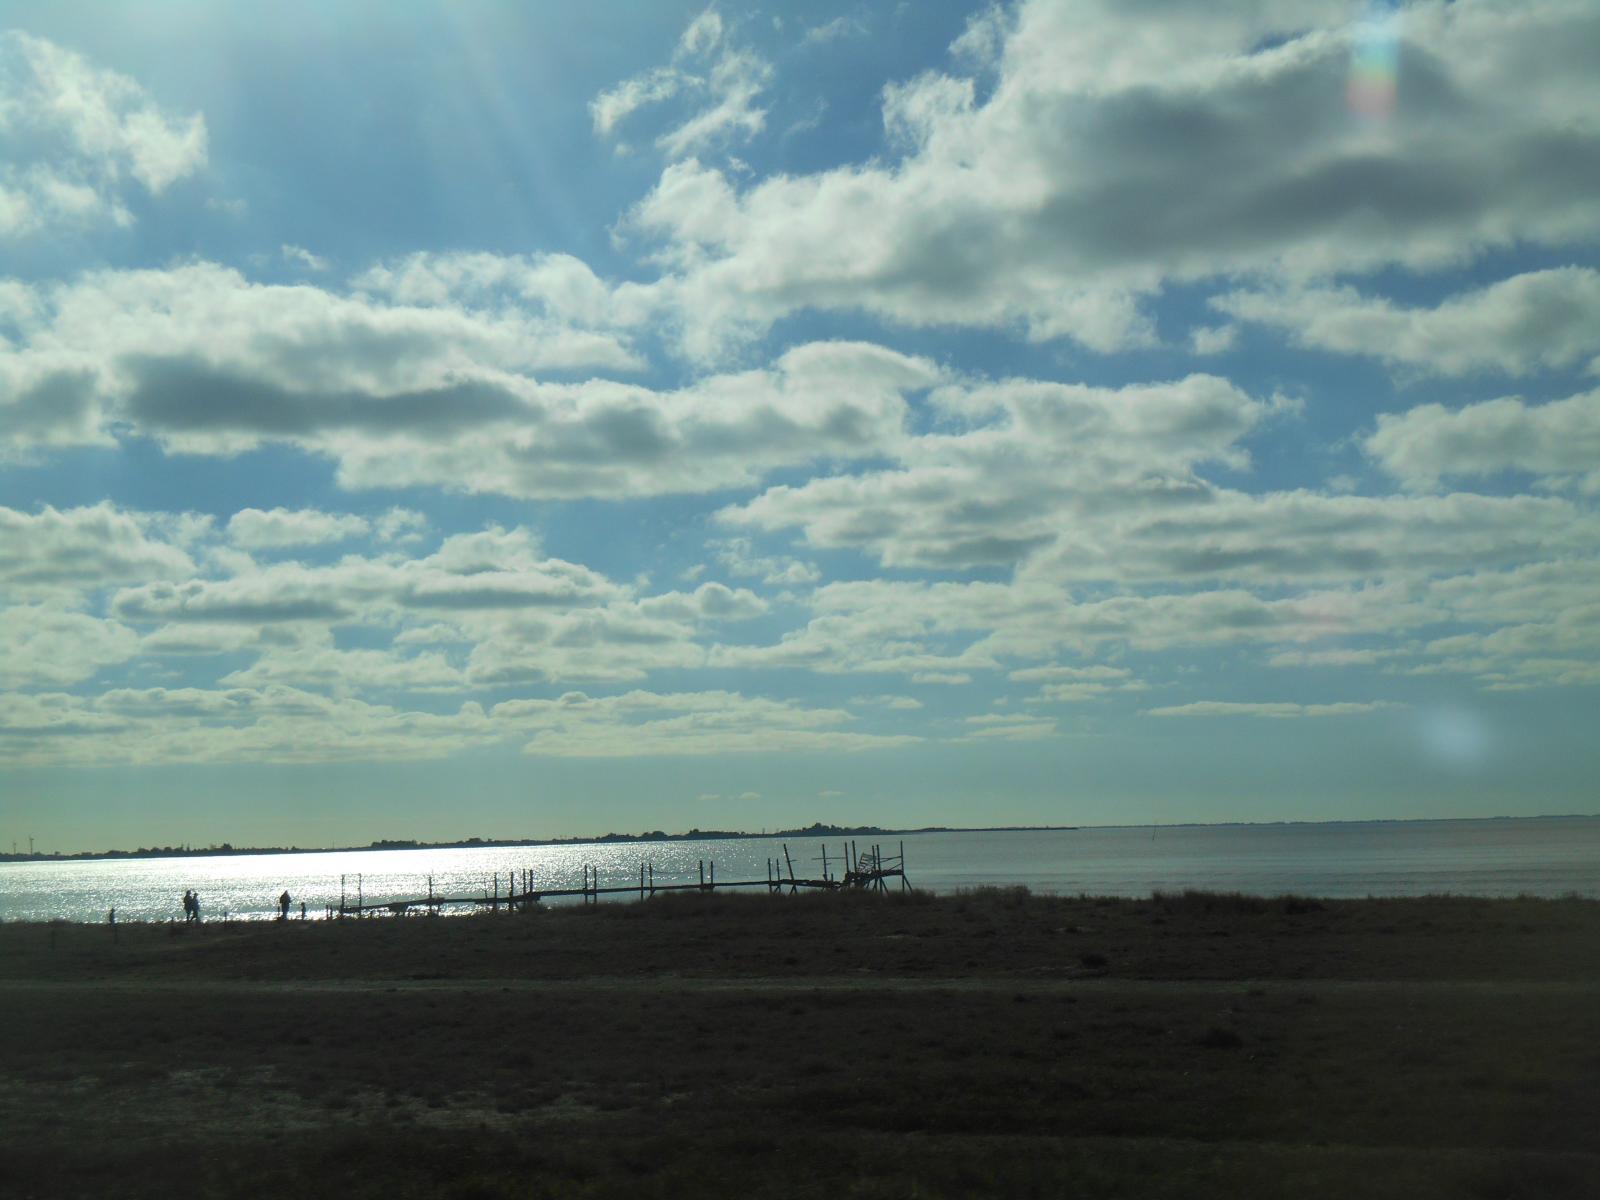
521	420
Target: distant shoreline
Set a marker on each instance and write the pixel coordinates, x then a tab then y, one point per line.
226	850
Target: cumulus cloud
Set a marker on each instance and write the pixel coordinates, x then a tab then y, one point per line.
1078	484
495	570
401	525
1028	464
61	554
430	392
1213	339
1118	152
41	646
279	528
1531	321
739	557
77	142
196	725
1558	441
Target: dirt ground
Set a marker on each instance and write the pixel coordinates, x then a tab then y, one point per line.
992	1043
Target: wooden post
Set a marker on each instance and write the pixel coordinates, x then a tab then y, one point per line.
713	874
641	879
702	874
652	879
824	860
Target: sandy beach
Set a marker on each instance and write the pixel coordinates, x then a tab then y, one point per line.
992	1043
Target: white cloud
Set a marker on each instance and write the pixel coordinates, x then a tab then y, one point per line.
1029	464
723	79
195	725
279	528
1007	727
349	672
735	83
1078	484
983	41
739	557
1327	658
614	105
41	646
647	724
1213	339
891	701
1536	320
1117	153
702	34
834	30
1056	673
1558	441
437	394
401	525
61	554
75	138
1279	710
300	256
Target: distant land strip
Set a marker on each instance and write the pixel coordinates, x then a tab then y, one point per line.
694	835
817	829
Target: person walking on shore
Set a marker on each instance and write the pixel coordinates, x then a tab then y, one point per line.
283	905
188	906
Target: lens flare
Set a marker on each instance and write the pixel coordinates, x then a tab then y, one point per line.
1374	66
1455	737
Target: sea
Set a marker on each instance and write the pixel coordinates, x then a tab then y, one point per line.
1538	856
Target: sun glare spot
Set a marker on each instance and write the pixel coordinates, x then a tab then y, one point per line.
1455	737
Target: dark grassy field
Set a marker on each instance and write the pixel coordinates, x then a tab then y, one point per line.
989	1044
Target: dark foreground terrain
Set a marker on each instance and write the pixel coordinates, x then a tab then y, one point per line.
786	1047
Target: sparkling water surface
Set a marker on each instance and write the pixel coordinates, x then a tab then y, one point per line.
1536	856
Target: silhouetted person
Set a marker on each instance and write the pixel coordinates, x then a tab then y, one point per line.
302	910
188	907
194	908
283	905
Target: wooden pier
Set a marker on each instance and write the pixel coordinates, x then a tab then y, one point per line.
869	870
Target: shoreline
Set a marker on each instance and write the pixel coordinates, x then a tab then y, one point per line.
229	851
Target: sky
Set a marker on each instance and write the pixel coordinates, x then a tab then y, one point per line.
434	420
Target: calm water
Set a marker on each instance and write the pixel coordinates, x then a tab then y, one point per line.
1544	856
